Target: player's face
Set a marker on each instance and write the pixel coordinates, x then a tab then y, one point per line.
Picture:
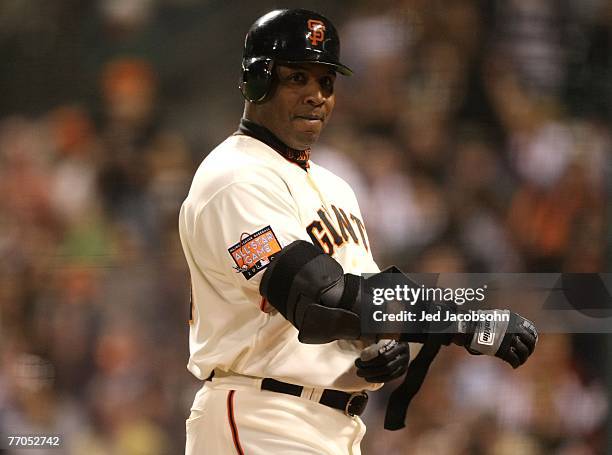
301	104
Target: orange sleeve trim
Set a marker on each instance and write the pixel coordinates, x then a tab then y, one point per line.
232	422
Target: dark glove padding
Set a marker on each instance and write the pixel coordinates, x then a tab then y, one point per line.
518	342
387	365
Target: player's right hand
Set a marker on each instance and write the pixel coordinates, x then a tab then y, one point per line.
513	342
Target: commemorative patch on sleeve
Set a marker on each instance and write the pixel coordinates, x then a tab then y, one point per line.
254	251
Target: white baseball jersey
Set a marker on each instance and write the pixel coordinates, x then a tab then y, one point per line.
246	202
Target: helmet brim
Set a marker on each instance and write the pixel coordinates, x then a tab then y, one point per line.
339	67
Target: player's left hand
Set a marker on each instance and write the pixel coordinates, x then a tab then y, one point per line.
383	361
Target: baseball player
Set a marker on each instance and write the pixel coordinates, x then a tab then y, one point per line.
275	246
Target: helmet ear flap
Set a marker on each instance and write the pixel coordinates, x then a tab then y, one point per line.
256	81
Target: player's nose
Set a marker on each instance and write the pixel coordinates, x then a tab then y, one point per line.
315	94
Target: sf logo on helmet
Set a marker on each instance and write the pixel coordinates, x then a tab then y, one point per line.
317	31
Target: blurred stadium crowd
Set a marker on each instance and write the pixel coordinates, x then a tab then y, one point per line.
477	137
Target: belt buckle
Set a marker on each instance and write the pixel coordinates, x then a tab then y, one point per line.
356	404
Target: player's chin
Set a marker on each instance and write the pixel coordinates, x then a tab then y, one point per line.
307	134
305	140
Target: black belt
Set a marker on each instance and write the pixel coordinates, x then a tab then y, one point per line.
352	404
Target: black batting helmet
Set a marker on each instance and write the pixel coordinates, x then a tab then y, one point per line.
286	36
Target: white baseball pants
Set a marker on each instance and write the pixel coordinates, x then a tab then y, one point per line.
232	416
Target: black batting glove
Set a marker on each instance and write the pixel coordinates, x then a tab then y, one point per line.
512	341
383	361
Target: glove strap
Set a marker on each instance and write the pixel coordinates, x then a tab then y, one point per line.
489	335
400	398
